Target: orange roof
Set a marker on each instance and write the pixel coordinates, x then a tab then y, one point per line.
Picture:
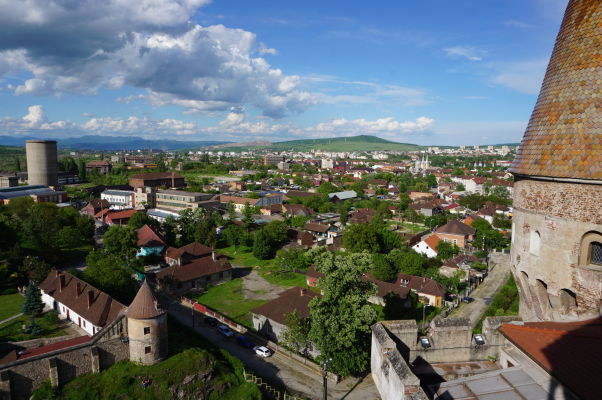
563	137
123	214
569	351
432	242
147	237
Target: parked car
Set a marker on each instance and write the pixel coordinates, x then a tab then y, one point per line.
467	299
479	339
262	351
245	342
210	321
224	330
425	342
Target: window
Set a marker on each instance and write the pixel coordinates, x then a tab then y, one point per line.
595	253
147	350
455	241
568	300
146	330
534	243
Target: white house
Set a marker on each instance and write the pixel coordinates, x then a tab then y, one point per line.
428	246
118	199
78	301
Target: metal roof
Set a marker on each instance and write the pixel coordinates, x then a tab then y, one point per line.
20	191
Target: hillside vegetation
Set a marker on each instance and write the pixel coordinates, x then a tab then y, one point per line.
352	143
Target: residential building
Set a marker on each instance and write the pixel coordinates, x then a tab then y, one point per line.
99	167
362	216
149	242
7	181
94	206
192	267
120	217
340	197
241	202
118	199
428	246
179	200
39	194
429	291
327	163
157	179
144	197
78	301
456	232
273	159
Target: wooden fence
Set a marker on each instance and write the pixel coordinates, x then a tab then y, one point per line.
268	389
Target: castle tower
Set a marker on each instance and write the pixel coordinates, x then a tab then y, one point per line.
557	218
147	328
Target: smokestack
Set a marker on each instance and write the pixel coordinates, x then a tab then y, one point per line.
90	298
62	282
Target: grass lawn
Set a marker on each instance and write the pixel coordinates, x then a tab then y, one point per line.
228	299
410	227
267	269
11	331
10	305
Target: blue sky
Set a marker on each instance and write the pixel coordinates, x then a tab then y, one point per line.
427	72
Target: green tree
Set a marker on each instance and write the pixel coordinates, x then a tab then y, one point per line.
34	329
446	250
139	219
411	263
382	268
231	211
33	304
327	187
396	307
292	259
342	316
296	334
343	211
205	232
262	245
107	273
120	240
298	221
35	268
460	187
404	201
277	230
361	237
247	214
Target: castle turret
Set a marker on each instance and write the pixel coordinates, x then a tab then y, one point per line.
557	218
147	328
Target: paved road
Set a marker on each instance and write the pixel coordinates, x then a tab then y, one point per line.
279	370
485	292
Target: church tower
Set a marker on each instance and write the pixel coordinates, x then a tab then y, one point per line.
557	219
147	328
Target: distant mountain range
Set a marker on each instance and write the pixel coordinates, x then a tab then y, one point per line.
113	143
348	144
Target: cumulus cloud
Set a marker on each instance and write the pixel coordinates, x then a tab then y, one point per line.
469	53
70	46
381	127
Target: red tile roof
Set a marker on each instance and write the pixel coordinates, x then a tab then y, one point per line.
563	137
456	227
148	237
119	215
432	242
53	346
145	304
569	351
193	270
193	249
315	227
422	284
103	308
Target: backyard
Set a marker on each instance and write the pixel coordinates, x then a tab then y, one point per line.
10	305
12	331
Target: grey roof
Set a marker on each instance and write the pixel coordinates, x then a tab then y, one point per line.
347	194
155	212
113	192
20	191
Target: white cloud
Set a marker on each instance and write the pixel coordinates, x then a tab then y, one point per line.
522	76
518	24
35	116
82	46
382	127
470	53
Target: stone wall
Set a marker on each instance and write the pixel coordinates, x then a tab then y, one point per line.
554	222
19	378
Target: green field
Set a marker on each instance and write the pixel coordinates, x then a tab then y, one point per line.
352	143
229	300
12	331
10	305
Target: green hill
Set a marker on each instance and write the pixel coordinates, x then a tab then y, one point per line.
352	143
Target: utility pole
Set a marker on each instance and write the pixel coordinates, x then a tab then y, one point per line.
325	377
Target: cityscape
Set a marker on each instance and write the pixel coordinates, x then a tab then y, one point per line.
252	250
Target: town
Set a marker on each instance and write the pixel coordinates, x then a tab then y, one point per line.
344	267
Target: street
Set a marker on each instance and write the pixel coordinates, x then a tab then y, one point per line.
279	370
498	273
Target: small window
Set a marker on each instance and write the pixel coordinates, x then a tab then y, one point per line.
147	350
534	243
84	322
596	253
147	330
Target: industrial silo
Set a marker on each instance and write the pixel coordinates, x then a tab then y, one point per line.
42	163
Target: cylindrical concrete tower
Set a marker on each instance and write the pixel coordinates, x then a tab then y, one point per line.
42	162
147	328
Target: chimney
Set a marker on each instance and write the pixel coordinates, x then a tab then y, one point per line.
57	272
90	298
62	283
303	291
213	255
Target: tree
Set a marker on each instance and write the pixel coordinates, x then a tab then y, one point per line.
120	240
33	304
500	191
446	250
411	263
395	306
343	211
298	221
139	219
296	334
342	316
231	211
33	329
293	259
277	230
205	233
327	187
169	229
382	268
404	201
460	187
36	268
107	273
247	214
361	237
262	245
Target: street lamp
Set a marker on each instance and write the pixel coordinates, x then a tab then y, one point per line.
424	311
325	376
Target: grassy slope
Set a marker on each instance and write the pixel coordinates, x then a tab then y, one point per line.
353	143
10	305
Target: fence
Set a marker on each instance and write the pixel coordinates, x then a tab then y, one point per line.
267	388
212	313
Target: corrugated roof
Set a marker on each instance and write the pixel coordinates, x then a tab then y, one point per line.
564	135
145	304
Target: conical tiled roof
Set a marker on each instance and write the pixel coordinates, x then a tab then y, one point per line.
564	135
145	304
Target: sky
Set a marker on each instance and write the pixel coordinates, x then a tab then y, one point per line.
430	72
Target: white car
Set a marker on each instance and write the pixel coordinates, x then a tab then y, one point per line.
262	351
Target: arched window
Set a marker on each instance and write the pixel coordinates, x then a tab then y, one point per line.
534	243
542	293
590	254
